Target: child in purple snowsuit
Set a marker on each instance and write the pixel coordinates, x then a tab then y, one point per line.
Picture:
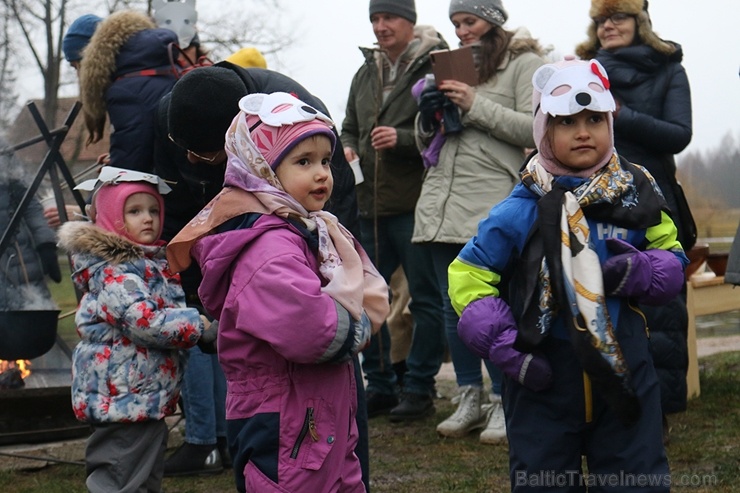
296	298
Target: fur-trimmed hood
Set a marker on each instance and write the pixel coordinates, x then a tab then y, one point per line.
84	238
523	42
112	53
587	50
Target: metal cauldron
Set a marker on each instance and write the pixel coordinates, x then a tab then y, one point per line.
27	334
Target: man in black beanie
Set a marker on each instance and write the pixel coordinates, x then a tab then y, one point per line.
378	130
190	155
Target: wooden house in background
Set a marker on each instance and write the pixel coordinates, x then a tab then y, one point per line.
76	154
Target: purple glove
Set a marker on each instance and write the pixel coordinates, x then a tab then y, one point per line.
654	277
488	329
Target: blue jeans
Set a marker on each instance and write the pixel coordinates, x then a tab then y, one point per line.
394	248
467	365
204	399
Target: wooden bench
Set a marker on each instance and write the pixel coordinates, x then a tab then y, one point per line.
705	296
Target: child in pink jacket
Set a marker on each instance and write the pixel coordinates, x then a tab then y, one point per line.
296	298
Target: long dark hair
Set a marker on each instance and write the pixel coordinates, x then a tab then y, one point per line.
494	45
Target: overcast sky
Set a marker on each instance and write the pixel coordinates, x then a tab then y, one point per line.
326	56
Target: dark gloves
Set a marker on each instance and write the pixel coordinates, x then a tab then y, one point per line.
488	329
49	261
451	122
430	108
207	341
653	277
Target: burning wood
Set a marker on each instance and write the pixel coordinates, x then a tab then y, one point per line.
12	373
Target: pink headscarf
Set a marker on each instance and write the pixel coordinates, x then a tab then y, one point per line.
252	186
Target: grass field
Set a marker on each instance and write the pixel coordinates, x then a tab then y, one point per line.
704	451
704	448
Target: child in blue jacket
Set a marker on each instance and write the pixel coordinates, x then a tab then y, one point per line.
548	290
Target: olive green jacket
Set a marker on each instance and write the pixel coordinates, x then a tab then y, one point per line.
392	177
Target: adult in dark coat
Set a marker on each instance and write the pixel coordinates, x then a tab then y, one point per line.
32	252
125	71
651	124
189	153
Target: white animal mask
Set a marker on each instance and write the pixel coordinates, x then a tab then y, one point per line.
570	87
178	16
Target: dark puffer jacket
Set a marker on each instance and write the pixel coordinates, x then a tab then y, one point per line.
654	118
125	71
653	124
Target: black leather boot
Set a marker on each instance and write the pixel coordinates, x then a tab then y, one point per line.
193	460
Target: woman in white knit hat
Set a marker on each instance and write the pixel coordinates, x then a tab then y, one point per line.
477	167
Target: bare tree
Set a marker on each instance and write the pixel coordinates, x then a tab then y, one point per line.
42	24
8	97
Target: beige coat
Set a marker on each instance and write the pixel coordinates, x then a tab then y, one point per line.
479	167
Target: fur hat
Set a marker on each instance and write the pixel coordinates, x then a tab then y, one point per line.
644	31
567	88
202	105
78	36
489	10
107	210
401	8
279	121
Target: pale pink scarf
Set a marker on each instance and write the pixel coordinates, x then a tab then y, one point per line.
252	186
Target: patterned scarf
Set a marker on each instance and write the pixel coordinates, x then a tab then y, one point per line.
251	186
570	271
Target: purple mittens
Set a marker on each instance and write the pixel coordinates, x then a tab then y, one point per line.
653	277
488	329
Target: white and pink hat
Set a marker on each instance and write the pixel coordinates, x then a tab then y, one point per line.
279	121
567	88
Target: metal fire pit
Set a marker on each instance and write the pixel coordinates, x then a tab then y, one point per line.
27	334
41	411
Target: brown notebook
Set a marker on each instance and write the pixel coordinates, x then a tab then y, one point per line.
455	64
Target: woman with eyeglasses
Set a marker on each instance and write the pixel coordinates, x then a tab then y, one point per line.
652	122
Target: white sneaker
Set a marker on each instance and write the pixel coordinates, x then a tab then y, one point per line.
495	431
468	416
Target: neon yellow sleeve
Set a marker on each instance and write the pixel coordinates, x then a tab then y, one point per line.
664	235
468	283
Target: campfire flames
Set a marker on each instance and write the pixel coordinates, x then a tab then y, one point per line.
12	373
23	365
